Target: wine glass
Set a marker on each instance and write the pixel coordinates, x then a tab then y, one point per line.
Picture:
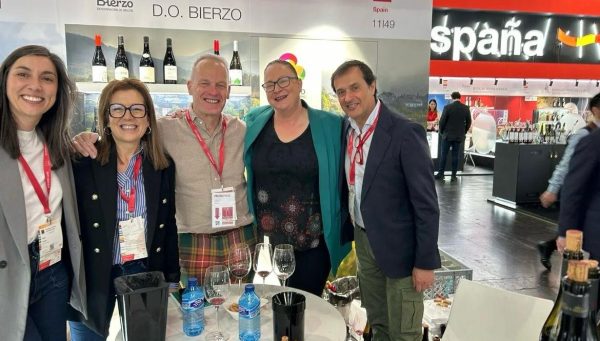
284	262
216	286
263	253
239	260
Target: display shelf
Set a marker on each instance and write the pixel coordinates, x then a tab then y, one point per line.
89	87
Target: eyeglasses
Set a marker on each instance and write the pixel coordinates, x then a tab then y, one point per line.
283	82
118	110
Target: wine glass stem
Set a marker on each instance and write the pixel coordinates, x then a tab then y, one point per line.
217	318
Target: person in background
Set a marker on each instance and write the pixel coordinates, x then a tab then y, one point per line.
555	184
206	147
432	115
580	195
126	203
41	261
389	205
454	124
292	153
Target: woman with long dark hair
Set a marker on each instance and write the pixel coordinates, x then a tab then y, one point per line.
40	249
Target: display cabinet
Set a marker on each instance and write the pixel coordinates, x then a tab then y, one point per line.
166	98
521	171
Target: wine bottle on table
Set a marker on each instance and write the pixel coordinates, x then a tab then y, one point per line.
594	278
576	318
169	64
235	67
216	47
147	64
121	61
99	72
574	240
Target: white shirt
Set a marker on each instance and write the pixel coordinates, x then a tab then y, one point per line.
359	171
32	150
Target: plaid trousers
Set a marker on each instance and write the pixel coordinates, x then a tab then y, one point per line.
198	251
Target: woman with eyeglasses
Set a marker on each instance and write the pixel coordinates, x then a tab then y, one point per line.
292	155
126	203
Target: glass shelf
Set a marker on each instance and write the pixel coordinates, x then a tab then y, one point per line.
156	88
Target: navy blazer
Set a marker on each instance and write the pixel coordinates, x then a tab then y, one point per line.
455	121
580	194
97	192
399	202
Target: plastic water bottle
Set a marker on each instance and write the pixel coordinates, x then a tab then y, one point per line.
192	303
249	315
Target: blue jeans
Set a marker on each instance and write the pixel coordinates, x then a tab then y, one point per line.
81	332
444	154
48	297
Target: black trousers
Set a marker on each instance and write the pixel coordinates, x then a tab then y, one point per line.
312	269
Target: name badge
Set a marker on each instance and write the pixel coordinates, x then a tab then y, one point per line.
223	211
50	238
132	239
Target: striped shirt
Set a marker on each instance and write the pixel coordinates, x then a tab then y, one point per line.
125	182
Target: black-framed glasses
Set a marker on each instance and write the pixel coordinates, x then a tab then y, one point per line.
118	110
283	82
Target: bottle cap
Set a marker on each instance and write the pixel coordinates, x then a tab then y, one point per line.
249	287
169	41
98	40
192	281
146	39
216	45
574	240
235	45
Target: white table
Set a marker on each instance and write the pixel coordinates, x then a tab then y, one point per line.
322	321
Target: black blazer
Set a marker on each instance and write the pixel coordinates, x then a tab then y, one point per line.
455	121
398	202
580	194
97	191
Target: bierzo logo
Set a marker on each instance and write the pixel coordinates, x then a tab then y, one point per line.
573	41
115	5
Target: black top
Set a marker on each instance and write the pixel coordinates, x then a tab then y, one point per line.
287	189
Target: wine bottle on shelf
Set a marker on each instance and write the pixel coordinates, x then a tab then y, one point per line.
235	67
121	61
146	63
216	47
574	241
169	64
99	71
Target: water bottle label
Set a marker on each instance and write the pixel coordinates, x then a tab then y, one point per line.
192	304
251	312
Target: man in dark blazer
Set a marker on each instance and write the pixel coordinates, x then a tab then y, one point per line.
580	196
389	205
454	124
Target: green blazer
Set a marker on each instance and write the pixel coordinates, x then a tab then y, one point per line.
326	130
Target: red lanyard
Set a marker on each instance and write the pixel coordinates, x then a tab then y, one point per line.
204	146
130	199
358	156
44	199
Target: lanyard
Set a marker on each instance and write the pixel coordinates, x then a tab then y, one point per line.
130	199
44	199
358	156
204	146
